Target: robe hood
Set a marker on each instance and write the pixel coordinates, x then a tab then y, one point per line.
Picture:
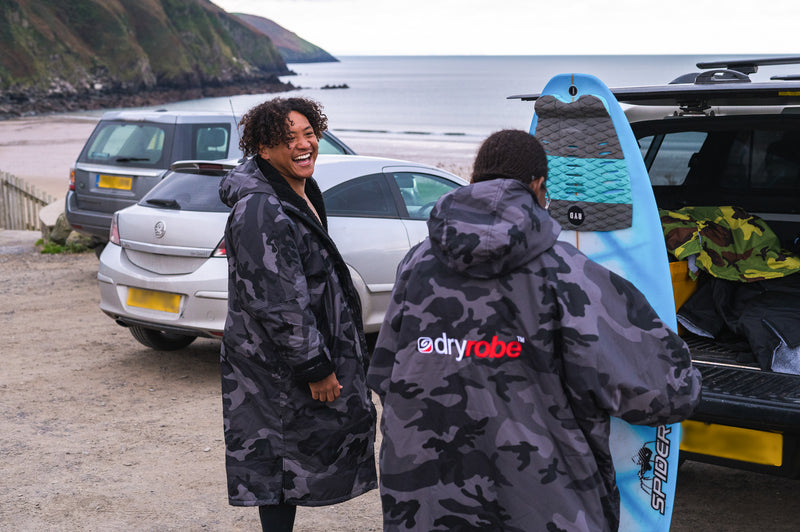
491	228
243	180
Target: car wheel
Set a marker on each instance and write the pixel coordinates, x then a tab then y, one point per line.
163	341
97	244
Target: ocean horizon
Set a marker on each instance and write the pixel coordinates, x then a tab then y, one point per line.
449	95
439	108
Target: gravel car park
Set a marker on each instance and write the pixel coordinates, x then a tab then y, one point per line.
164	272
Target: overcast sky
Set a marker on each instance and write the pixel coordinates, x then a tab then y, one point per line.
531	27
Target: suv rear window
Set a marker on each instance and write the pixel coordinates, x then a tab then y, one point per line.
744	159
668	156
752	162
126	143
764	159
203	142
211	142
187	192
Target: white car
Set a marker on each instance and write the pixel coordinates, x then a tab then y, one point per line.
164	272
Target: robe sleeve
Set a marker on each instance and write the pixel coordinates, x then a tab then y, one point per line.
619	357
271	285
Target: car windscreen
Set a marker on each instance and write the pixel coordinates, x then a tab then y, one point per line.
420	191
188	192
130	144
327	145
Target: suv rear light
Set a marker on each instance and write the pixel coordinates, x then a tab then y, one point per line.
220	250
113	232
72	179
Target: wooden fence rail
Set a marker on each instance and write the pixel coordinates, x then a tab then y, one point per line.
20	203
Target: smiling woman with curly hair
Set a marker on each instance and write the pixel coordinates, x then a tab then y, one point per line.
299	420
266	124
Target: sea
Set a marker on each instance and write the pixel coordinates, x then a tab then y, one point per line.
437	109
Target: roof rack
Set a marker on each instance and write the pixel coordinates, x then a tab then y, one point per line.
749	66
734	70
708	77
722	83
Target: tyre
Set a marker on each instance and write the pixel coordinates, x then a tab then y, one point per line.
97	244
163	341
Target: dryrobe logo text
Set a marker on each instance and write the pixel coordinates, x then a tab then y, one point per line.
459	349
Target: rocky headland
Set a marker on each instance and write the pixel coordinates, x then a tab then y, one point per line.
96	54
31	103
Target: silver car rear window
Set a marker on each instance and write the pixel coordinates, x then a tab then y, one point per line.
125	143
187	192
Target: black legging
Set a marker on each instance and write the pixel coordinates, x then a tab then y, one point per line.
277	517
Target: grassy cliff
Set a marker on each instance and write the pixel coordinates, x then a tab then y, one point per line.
292	48
57	47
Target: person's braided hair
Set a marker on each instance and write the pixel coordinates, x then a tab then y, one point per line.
266	124
510	154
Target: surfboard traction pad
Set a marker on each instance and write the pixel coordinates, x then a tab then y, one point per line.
588	181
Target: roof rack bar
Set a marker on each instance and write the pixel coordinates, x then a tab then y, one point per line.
750	66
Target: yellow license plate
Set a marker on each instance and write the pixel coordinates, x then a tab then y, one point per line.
114	181
734	443
153	300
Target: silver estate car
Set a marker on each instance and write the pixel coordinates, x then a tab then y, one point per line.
164	272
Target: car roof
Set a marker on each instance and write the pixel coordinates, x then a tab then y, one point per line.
170	116
331	170
165	116
720	83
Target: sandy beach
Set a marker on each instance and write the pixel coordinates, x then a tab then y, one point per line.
42	149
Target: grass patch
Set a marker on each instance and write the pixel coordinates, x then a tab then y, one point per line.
51	248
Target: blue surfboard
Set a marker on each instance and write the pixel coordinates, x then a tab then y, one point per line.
602	197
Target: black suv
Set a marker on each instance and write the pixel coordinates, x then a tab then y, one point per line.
717	140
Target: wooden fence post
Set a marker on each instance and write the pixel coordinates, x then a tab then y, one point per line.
20	203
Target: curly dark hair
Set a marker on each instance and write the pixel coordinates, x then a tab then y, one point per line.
510	154
266	124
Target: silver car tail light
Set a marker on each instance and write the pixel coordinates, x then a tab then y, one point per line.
113	232
220	250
